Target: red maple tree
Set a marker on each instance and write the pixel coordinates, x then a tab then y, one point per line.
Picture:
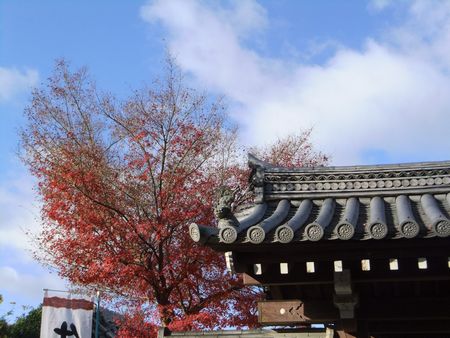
292	151
120	183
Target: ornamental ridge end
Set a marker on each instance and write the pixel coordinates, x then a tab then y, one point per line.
255	163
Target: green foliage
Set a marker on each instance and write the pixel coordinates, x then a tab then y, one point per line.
4	328
26	326
3	324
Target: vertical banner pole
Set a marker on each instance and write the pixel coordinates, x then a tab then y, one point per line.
97	315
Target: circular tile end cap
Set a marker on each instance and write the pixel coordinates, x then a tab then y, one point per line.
345	230
284	234
228	234
194	232
378	230
442	228
256	234
314	232
409	229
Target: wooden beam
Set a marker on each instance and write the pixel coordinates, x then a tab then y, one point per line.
250	280
380	310
344	298
349	328
276	292
408	270
424	327
416	308
296	311
345	334
336	249
310	280
298	275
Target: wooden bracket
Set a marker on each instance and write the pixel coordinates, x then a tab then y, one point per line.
344	298
295	312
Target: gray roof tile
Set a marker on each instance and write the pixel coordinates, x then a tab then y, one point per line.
341	203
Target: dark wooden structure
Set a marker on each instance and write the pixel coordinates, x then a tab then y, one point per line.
260	333
362	249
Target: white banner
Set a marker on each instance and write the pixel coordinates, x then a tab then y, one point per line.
66	317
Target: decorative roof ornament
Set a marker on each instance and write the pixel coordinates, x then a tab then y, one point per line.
254	162
256	178
227	222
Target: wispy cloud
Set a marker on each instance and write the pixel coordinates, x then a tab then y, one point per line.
379	5
391	96
19	219
21	279
22	286
14	81
25	284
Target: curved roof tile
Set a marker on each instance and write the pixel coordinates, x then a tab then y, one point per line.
379	202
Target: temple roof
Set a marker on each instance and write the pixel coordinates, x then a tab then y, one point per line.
356	203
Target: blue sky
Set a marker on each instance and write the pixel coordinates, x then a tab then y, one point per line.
371	77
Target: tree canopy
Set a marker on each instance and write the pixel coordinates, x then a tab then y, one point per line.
120	182
26	326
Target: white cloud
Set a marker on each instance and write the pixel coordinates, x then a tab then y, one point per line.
245	17
26	285
21	279
19	219
392	95
13	81
213	50
379	5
